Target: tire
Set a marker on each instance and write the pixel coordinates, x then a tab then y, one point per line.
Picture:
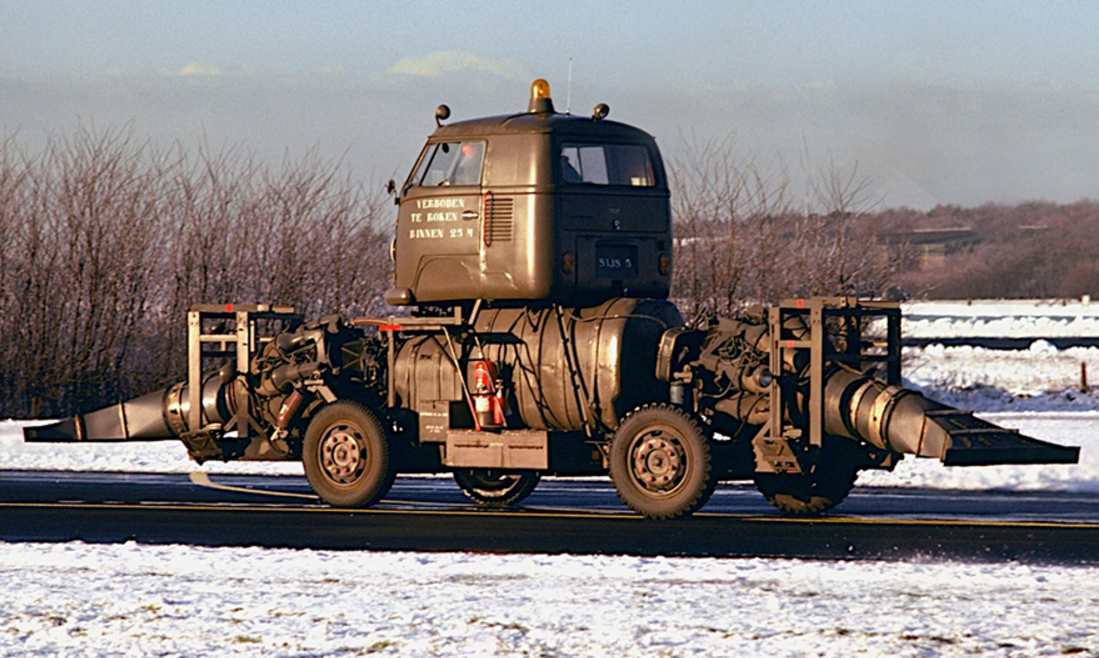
660	462
491	488
346	456
817	492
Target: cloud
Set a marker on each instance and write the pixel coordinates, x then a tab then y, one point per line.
193	69
453	61
200	68
122	70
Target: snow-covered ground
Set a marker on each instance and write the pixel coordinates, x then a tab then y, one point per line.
1001	318
129	600
1041	378
76	600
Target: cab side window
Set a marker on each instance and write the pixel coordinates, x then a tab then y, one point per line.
607	164
452	163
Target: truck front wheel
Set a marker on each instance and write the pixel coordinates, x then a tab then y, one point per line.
660	462
346	456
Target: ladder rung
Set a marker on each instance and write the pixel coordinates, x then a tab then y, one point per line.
218	338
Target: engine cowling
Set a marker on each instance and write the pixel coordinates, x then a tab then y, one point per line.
564	368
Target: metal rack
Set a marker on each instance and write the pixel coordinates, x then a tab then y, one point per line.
234	335
849	315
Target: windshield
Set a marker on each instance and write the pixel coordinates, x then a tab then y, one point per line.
451	163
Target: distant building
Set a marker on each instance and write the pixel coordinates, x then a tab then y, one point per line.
930	246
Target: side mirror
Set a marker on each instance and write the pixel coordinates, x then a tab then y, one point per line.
391	186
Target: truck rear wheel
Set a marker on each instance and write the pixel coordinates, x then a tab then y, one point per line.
346	456
493	488
817	492
660	462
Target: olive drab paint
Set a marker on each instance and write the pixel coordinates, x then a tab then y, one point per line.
534	206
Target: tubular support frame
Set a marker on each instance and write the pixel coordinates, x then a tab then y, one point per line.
244	343
802	324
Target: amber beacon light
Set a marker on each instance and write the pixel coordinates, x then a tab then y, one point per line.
539	89
540	101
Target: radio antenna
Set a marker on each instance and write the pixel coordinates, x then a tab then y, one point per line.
568	94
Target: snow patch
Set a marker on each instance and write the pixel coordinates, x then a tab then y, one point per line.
120	600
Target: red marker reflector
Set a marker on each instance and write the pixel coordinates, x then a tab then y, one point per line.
389	327
228	308
789	344
801	303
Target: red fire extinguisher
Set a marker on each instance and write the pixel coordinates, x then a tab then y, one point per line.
488	402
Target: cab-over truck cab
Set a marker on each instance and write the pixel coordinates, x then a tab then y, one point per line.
533	206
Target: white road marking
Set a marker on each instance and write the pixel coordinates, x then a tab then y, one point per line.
202	479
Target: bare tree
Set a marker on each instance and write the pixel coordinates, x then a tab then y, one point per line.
741	239
108	241
724	205
835	241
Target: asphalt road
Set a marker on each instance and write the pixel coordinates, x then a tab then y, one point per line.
562	516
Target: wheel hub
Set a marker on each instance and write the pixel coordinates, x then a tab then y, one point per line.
490	481
342	454
658	461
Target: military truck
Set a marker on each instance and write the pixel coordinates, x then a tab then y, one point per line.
533	261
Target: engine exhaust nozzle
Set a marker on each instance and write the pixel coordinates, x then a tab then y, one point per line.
157	416
903	420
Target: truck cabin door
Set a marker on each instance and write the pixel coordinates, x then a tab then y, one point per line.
439	223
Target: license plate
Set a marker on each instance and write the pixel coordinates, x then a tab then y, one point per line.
616	262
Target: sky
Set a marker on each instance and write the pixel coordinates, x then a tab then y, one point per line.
933	102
